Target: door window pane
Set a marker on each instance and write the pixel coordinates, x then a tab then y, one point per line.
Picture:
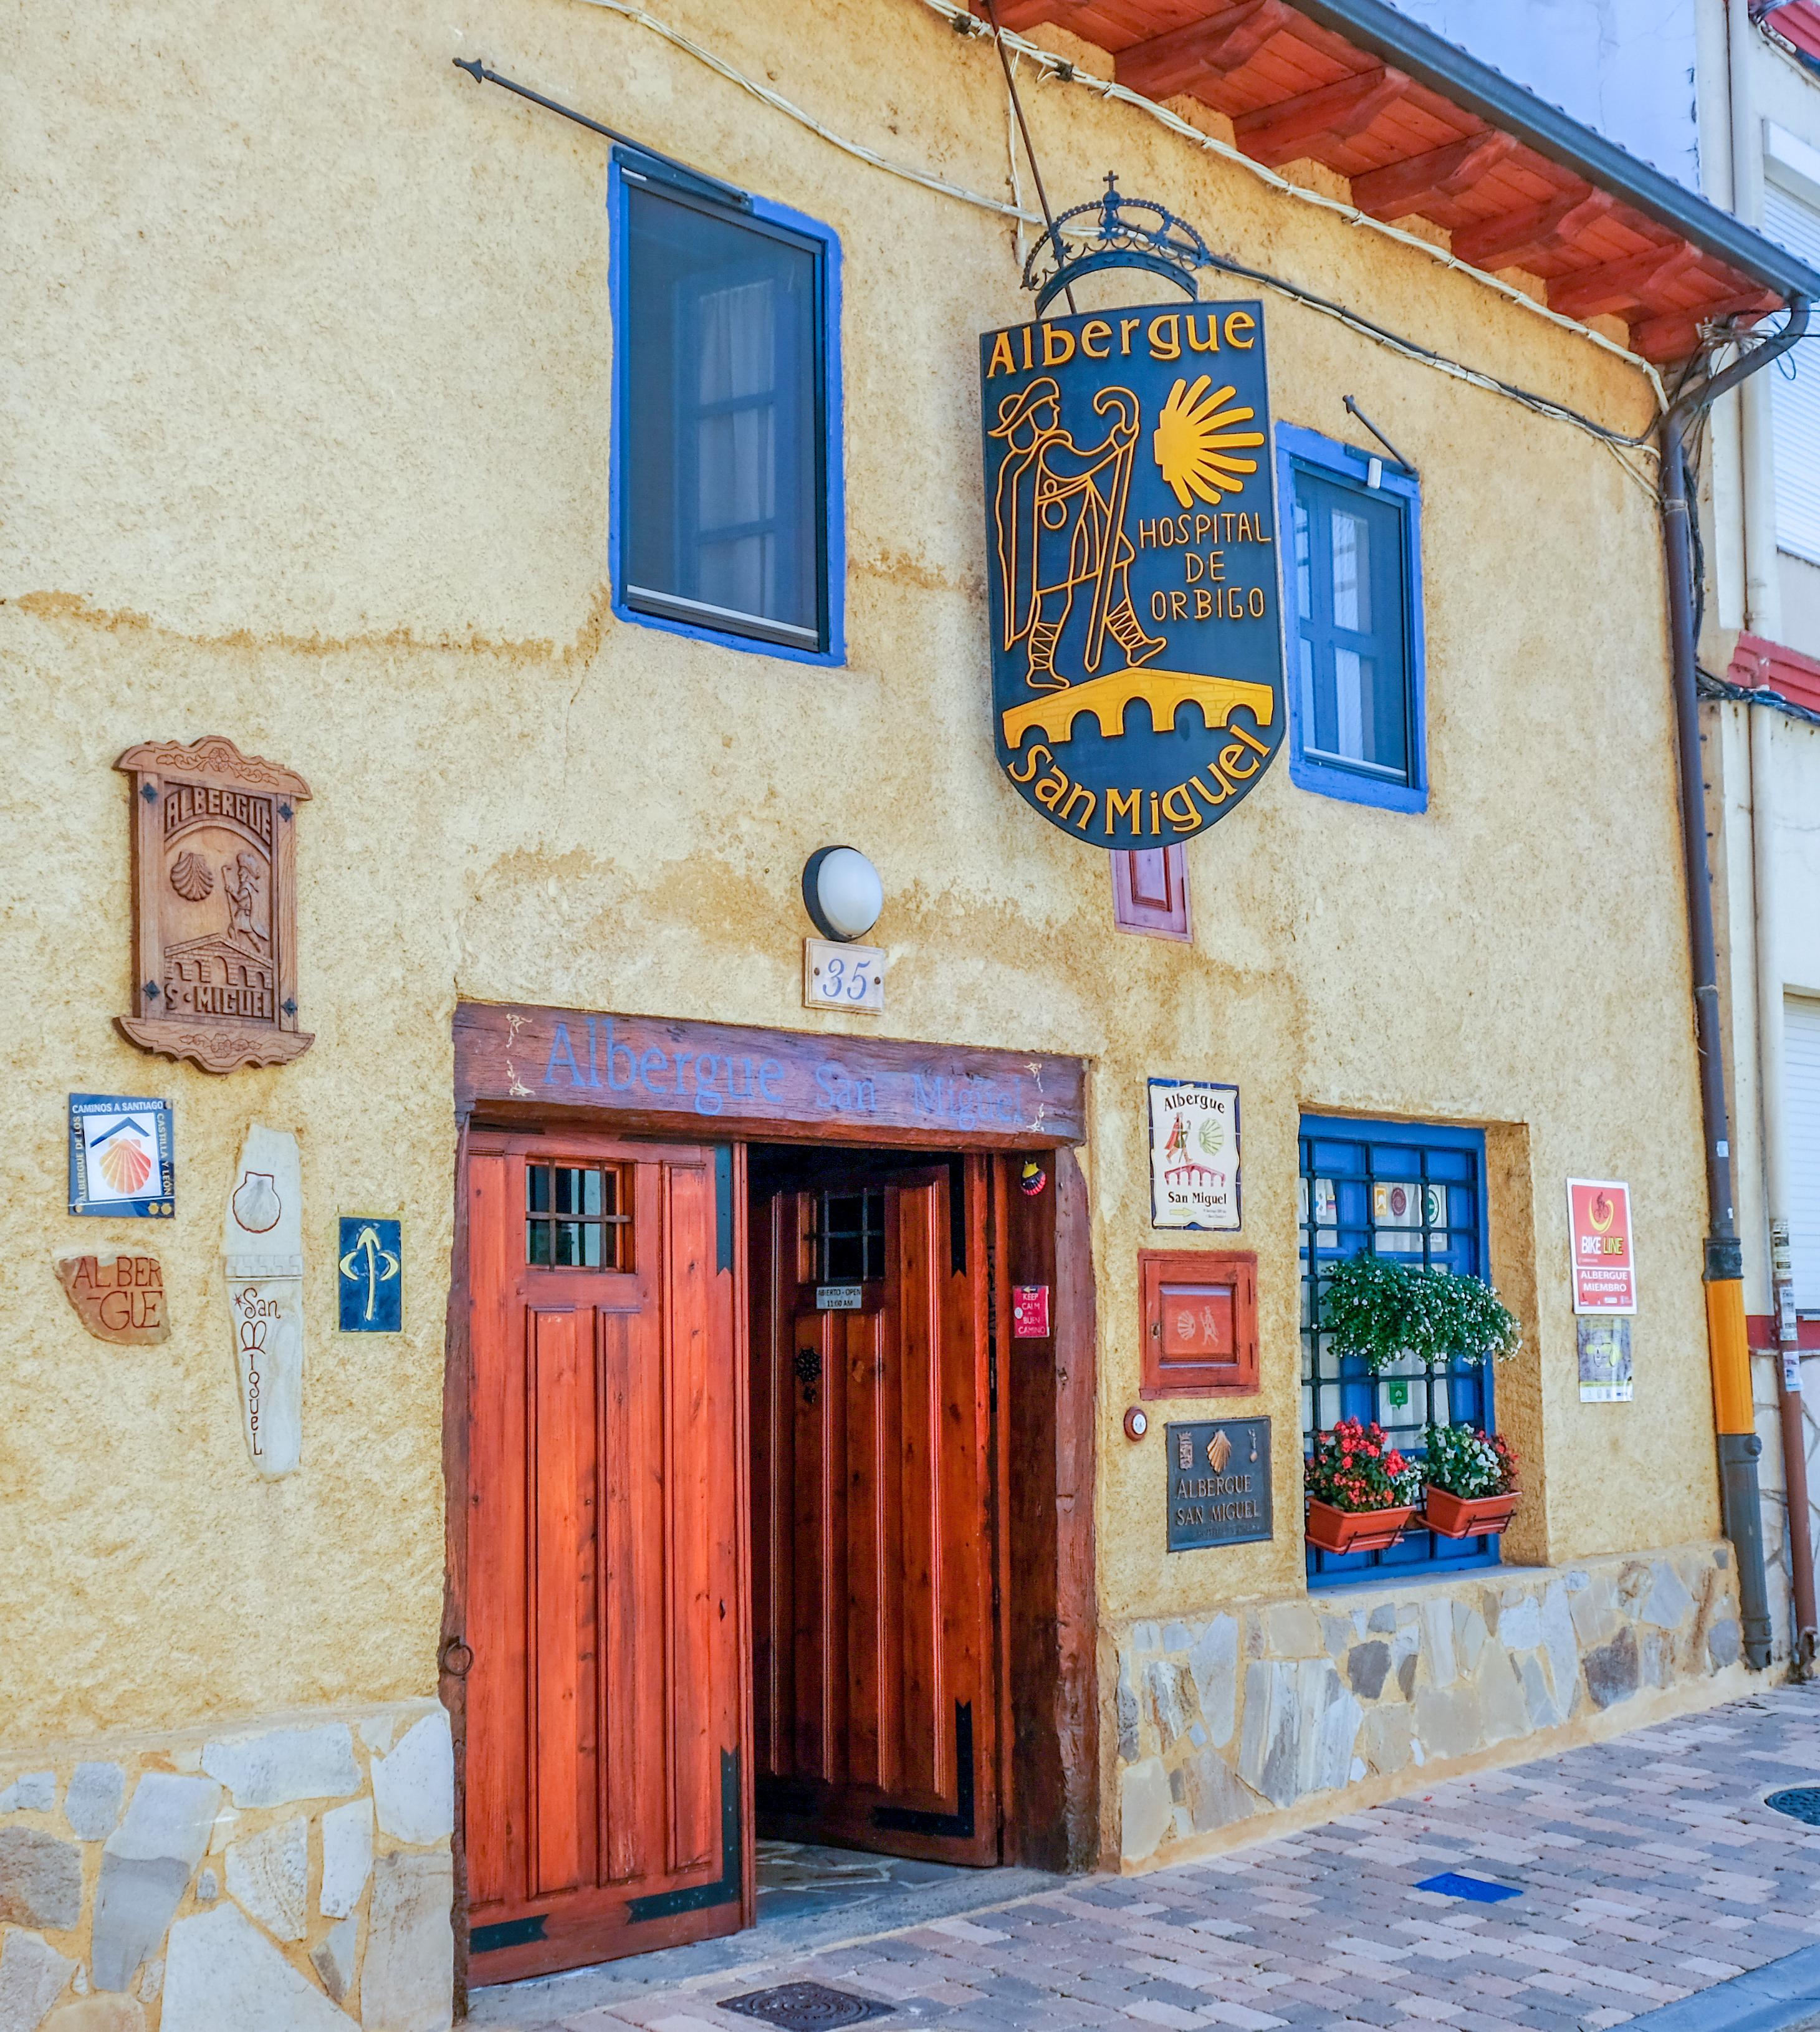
722	484
576	1218
848	1237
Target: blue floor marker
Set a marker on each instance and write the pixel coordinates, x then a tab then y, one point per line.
1450	1884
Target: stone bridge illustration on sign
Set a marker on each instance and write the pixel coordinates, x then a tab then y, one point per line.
1058	512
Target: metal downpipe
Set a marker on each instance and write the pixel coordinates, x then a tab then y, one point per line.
1734	1418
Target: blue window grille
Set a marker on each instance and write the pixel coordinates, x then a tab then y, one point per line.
1352	615
1417	1193
725	448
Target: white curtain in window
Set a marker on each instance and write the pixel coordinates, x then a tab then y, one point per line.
736	447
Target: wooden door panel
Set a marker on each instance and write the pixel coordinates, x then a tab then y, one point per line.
773	1404
497	1785
871	1448
925	1753
560	1471
862	1757
605	1795
634	1810
696	1611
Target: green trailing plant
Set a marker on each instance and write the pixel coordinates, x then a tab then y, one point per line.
1380	1310
1467	1462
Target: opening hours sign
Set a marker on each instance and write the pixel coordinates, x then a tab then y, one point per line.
1605	1268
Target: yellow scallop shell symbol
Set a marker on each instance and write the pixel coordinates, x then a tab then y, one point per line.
1195	439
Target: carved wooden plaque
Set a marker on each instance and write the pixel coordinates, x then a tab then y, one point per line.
215	889
121	1301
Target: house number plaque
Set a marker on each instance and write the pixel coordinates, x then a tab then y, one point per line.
215	895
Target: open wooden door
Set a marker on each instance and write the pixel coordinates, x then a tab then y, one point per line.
606	1808
874	1670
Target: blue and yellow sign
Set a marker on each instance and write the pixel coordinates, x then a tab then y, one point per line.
370	1260
1131	546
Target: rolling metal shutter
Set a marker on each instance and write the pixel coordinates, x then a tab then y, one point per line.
1801	1063
1794	395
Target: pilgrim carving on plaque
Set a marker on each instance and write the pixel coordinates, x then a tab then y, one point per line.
215	891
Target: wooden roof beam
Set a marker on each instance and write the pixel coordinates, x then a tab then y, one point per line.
1674	334
1515	238
1220	42
1620	285
1419	181
1280	133
1017	16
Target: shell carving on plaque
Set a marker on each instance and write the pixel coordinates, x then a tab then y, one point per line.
214	882
191	877
256	1205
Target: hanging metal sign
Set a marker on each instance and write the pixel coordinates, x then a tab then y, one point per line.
1131	556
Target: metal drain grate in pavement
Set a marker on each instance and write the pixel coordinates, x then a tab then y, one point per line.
1799	1803
806	2006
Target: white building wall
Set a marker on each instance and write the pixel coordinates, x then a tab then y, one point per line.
1625	68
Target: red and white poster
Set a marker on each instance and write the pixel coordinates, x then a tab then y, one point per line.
1604	1253
1030	1312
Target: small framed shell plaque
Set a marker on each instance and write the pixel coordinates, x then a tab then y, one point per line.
214	894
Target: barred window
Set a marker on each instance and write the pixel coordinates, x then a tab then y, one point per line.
1416	1193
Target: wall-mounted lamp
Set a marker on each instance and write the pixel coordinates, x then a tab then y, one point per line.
842	892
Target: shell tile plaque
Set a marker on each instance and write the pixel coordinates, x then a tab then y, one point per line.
215	891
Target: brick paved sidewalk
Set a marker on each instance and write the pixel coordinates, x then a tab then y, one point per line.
1649	1869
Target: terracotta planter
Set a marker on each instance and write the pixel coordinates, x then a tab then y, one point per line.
1465	1516
1355	1531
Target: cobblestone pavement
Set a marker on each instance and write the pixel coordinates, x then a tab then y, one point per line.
1649	1868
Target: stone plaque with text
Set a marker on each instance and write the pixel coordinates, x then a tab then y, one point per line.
1219	1483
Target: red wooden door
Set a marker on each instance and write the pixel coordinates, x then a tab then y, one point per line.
605	1811
872	1520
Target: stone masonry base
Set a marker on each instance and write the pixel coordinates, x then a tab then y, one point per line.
293	1874
1242	1723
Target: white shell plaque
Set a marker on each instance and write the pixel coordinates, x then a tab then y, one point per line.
261	1246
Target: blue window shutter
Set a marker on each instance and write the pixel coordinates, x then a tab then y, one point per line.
1352	622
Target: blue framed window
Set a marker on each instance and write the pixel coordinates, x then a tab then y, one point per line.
1416	1193
726	520
1352	616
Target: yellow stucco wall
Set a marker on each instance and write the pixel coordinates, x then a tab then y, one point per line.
309	447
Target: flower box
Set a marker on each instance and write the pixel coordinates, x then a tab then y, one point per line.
1466	1517
1355	1531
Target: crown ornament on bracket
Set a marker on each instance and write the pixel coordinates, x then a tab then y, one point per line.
1115	232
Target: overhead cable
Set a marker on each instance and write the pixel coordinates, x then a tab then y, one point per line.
1061	69
1619	442
960	18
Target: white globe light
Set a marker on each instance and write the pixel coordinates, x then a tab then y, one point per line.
844	894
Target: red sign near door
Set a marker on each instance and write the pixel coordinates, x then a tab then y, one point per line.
1030	1312
1603	1262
